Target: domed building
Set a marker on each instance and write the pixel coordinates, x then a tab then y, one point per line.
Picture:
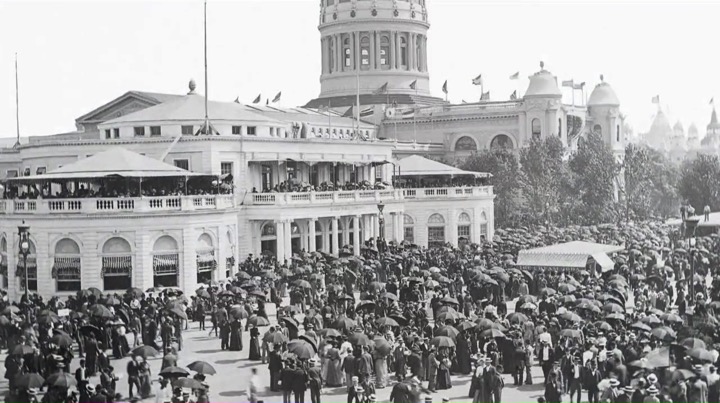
678	143
712	132
660	132
693	140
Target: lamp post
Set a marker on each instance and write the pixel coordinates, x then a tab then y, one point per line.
24	235
381	222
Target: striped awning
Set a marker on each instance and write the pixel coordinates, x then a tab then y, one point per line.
572	254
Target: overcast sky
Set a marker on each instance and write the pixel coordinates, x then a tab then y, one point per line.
75	56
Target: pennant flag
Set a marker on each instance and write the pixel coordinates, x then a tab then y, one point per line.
277	97
712	101
413	85
408	114
464	101
369	111
513	96
477	80
515	76
381	90
444	89
568	83
267	101
656	99
258	99
348	113
485	96
579	86
237	100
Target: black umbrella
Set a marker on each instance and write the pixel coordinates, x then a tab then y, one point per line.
91	329
202	367
174	372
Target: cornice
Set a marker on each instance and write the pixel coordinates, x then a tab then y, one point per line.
449	119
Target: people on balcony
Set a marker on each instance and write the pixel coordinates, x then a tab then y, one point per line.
288	186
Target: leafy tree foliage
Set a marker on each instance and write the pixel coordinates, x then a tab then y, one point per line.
700	182
504	166
650	184
542	171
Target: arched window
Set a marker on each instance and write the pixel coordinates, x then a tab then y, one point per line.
501	141
347	52
365	53
116	268
66	265
418	52
483	226
205	258
617	131
463	229
4	262
166	262
536	128
31	268
408	228
560	127
465	143
436	231
385	52
403	51
597	129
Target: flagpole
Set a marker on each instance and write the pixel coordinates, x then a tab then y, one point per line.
17	104
357	76
328	112
208	131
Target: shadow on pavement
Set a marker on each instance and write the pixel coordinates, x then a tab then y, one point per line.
209	351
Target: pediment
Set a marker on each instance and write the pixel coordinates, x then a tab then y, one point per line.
127	103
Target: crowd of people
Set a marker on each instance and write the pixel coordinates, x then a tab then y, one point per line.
407	318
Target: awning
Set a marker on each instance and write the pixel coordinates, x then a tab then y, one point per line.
604	261
416	165
570	254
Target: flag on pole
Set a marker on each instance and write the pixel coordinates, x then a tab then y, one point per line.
569	83
348	113
408	114
513	96
444	89
381	90
515	76
656	99
277	97
478	80
579	86
413	85
369	111
258	99
237	100
485	96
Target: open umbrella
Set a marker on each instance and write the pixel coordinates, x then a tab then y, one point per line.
61	380
344	323
492	333
442	341
382	346
10	310
701	354
365	305
448	331
692	342
135	292
258	321
62	340
571	333
276	338
359	339
663	333
22	349
174	372
202	367
92	329
445	316
100	311
385	321
301	348
112	301
517	318
640	326
29	381
187	383
144	352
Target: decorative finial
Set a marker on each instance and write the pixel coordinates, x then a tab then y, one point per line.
602	78
542	64
192	86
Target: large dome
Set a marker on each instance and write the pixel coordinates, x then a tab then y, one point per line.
543	84
603	95
660	131
693	131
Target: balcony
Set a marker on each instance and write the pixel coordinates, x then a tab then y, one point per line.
116	205
359	196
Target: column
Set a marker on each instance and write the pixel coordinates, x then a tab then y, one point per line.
313	235
356	235
453	230
376	225
356	50
340	54
397	51
334	246
187	279
280	241
303	236
373	50
346	233
411	52
393	48
288	239
323	53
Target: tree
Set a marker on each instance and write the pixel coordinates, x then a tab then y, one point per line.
700	182
542	170
504	167
593	176
650	183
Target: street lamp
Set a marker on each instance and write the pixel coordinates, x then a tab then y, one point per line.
24	235
381	222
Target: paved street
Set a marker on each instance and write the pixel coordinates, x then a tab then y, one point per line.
234	369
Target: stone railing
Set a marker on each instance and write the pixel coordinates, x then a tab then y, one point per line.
116	205
360	196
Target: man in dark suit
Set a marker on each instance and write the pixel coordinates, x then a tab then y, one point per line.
99	396
275	366
315	378
545	358
592	379
626	395
81	376
286	376
299	383
133	373
169	360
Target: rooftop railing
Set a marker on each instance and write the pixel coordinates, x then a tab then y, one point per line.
116	205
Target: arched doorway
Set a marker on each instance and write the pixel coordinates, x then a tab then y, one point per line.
463	229
408	229
483	226
166	262
66	266
436	231
116	268
501	141
295	238
319	236
205	258
268	239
